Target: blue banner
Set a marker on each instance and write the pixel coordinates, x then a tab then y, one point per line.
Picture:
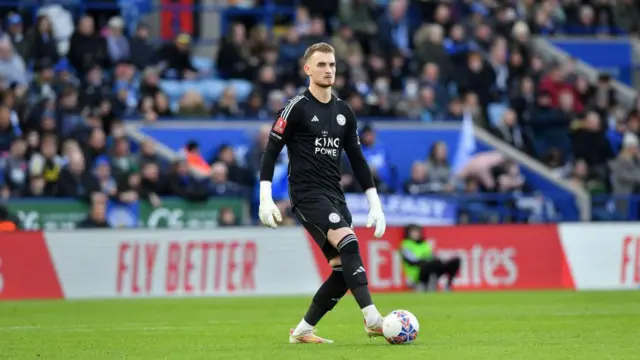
401	210
611	56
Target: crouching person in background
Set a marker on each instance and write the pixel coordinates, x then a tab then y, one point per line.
422	269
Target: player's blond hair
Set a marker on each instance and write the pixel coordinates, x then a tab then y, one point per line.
321	47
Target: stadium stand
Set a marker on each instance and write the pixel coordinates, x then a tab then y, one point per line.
74	75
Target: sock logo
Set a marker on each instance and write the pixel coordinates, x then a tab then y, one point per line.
359	270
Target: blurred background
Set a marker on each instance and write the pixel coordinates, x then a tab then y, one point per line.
154	113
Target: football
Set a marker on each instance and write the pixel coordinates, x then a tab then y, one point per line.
400	327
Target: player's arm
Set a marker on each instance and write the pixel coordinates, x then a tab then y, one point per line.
362	172
281	131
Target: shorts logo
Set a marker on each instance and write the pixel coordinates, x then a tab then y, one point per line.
334	218
341	119
280	125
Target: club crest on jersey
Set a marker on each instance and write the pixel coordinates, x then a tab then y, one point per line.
341	119
280	125
334	218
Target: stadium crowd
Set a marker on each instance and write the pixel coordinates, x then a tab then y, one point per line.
64	102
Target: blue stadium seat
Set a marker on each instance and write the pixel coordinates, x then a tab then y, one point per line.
211	89
173	88
243	88
203	64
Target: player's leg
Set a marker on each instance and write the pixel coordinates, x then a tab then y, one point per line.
329	293
342	237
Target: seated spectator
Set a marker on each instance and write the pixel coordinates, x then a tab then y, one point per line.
42	42
227	106
97	218
227	218
591	144
16	32
75	181
12	68
152	184
236	173
192	104
47	164
142	51
106	182
148	154
14	166
625	168
511	180
37	188
175	59
417	184
219	184
122	162
438	168
233	60
183	184
8	131
509	131
86	48
117	44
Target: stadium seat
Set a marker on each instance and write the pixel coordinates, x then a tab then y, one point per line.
243	88
202	64
210	89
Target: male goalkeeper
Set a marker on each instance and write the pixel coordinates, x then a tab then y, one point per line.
316	126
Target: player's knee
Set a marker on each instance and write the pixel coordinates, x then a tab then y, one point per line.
348	245
336	235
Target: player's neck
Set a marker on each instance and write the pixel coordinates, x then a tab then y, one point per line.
323	94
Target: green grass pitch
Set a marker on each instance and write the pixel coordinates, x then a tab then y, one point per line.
504	325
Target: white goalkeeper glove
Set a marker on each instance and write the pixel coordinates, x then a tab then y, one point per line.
268	211
375	213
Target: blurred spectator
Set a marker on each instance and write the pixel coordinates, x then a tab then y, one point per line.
141	49
16	32
15	167
8	131
627	16
175	59
42	42
195	159
375	155
235	173
117	44
233	56
219	184
185	185
47	164
591	144
417	184
123	163
439	175
227	107
152	184
13	70
75	180
625	168
87	49
97	217
509	131
227	217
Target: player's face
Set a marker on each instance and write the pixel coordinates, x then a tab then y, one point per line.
321	68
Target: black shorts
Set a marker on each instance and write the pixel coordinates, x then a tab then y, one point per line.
320	214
